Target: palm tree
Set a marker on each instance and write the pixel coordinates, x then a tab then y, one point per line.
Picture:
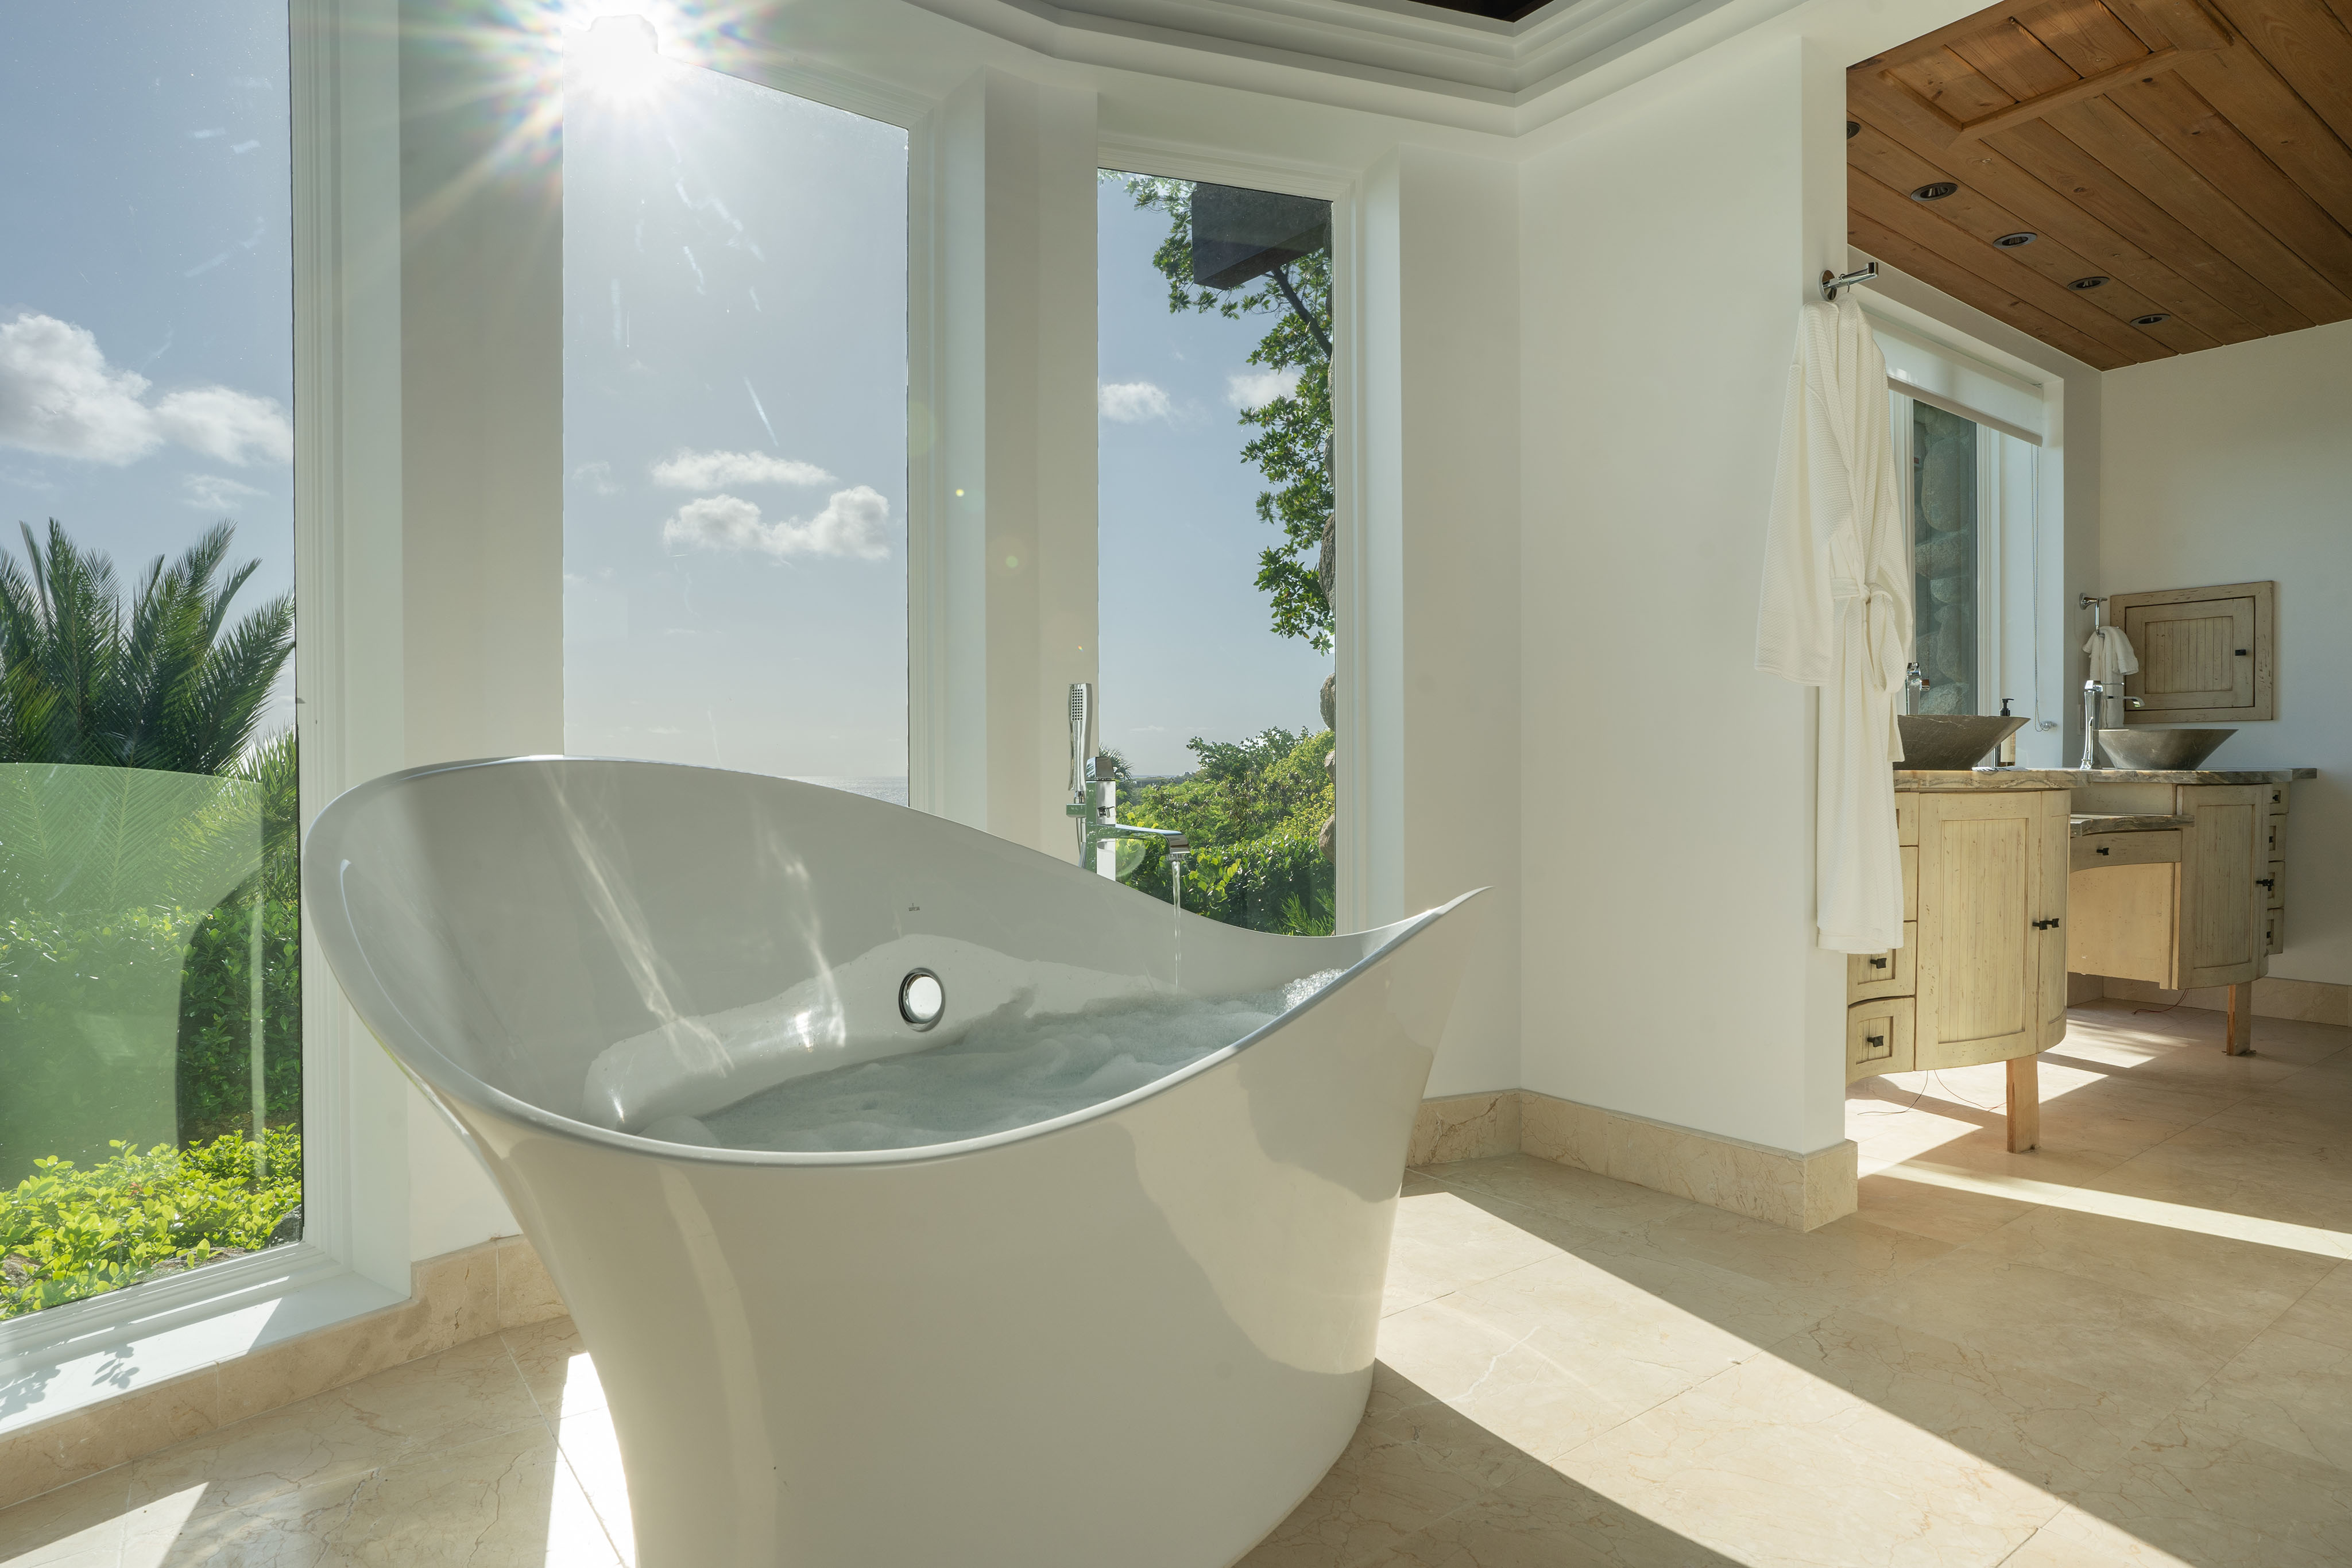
162	687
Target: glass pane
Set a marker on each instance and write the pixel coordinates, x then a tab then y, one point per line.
1215	404
151	1090
734	422
1944	557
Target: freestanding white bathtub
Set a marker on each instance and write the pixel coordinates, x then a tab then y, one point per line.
1132	1336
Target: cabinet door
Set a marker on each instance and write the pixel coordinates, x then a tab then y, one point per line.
2205	654
2053	842
1981	869
2223	854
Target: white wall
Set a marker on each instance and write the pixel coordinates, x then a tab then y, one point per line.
2235	465
1432	627
1670	970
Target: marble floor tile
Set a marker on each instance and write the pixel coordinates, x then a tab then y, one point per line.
2219	1499
2050	1431
1840	1261
2220	1274
1551	1355
593	1454
554	1365
1443	1243
66	1528
2290	1392
1774	1468
1561	1193
2240	1172
2149	1349
2324	1312
459	1396
1542	1518
1936	1212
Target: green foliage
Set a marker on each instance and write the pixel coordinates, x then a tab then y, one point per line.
1253	811
1291	446
214	1063
67	1234
168	684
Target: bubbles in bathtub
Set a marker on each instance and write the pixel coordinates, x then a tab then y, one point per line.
681	1130
1004	1074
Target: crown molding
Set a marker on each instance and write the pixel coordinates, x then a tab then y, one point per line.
1386	56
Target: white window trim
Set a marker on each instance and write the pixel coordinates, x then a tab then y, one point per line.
1351	588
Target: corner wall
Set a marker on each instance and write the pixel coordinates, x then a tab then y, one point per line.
2234	465
1670	971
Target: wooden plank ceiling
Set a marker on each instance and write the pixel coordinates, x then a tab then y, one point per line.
2184	173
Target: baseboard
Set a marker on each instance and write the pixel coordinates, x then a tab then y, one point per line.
2305	1001
1465	1128
1800	1191
454	1297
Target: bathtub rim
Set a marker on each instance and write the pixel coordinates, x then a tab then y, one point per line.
421	1059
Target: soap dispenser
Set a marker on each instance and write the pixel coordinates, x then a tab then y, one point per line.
2005	755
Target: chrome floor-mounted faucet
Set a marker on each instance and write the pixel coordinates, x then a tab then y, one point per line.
1094	801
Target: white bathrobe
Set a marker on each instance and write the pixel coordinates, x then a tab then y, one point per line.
1837	613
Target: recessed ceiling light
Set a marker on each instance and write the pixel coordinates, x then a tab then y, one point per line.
2087	283
1936	192
2010	241
2151	321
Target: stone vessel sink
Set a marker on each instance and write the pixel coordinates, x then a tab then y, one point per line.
1947	741
2159	748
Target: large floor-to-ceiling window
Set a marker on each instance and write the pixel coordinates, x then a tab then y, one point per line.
1214	399
734	421
150	1069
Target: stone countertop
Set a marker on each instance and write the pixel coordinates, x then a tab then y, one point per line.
2072	777
2116	822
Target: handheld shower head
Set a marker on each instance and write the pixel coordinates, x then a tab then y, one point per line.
1077	702
1081	702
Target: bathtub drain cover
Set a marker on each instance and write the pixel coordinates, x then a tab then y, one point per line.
921	999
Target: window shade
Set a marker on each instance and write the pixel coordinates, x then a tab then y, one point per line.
1945	379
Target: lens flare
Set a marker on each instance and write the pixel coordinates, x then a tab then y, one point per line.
617	58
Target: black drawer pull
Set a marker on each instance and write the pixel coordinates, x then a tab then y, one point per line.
2045	925
2105	851
1878	963
2240	652
2265	881
1877	1042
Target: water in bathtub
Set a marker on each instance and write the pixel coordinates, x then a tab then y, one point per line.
1005	1071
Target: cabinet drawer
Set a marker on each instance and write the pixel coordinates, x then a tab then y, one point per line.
2275	931
1910	853
2124	849
1894	973
2279	795
1906	817
1877	1038
2274	834
2276	876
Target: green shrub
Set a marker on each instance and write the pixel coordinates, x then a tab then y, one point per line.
215	1069
67	1234
1253	813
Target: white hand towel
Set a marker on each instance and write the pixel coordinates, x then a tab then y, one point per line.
2111	656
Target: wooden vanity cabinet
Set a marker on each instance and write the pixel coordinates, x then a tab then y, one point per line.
1981	976
1992	906
2187	907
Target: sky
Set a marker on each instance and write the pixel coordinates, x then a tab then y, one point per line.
1186	644
146	304
734	426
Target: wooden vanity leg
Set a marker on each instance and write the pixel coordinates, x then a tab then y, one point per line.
2240	1040
2024	1103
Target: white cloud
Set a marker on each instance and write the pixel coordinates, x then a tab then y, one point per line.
855	522
596	477
212	493
708	470
227	425
1131	402
1256	389
60	396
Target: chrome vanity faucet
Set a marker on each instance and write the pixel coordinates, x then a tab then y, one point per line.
1094	801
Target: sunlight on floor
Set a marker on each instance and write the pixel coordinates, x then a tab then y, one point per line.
2123	1206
